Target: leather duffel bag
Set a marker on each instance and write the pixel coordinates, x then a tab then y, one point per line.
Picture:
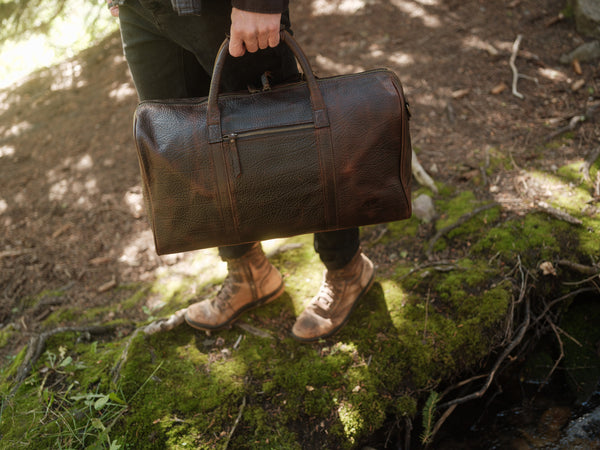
316	155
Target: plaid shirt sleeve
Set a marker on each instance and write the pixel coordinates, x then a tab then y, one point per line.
186	7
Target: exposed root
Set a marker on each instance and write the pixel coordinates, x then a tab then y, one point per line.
463	219
589	161
421	175
540	323
586	270
37	344
159	325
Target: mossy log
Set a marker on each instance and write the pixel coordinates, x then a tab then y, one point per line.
452	301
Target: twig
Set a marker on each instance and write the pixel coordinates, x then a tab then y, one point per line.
449	263
574	122
426	314
464	218
253	330
560	357
513	57
560	299
237	420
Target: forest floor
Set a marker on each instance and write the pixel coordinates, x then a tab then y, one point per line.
71	205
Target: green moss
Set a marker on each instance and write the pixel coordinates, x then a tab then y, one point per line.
60	316
11	371
401	229
6	334
531	237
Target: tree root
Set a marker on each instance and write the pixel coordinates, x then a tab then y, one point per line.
38	342
421	175
174	320
463	219
512	340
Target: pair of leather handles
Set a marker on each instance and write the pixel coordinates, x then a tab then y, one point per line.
316	98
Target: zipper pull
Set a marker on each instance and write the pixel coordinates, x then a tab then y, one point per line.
233	154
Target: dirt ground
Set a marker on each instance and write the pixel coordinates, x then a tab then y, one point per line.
70	202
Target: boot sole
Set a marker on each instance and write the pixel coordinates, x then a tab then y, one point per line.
336	329
260	302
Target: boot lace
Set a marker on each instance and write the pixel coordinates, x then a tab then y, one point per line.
325	298
228	289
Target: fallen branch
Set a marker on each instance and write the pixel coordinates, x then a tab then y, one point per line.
574	122
463	219
513	57
558	214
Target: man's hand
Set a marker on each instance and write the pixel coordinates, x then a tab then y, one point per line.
114	9
251	31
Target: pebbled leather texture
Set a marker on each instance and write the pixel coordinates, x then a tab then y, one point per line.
266	167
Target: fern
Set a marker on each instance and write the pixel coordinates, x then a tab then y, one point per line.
429	411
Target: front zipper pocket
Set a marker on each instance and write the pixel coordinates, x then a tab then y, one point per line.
231	139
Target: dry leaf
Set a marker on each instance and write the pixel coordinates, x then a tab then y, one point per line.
547	268
356	389
578	85
499	88
107	286
310	388
460	93
100	260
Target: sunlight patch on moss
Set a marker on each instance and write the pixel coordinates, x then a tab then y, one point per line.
562	193
530	237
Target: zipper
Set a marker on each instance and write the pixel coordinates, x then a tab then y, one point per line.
232	138
199	100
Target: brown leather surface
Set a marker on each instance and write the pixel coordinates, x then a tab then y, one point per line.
311	156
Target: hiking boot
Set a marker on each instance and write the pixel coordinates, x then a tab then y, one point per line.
251	281
339	294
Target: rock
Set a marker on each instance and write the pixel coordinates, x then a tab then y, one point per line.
583	433
590	51
587	17
423	208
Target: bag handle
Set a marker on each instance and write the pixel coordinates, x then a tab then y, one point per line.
319	109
